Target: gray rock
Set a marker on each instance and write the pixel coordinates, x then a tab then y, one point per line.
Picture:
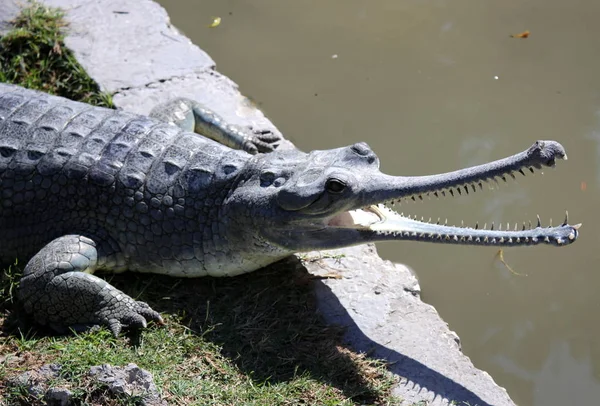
130	380
59	396
36	382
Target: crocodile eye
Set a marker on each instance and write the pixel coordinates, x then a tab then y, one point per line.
335	186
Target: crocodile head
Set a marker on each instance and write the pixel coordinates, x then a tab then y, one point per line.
338	198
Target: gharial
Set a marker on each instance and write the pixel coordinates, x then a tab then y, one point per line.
86	188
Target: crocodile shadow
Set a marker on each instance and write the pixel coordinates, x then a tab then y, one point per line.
269	324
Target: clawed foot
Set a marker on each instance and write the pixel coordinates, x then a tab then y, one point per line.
127	313
262	141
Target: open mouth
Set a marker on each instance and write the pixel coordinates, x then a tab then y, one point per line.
377	221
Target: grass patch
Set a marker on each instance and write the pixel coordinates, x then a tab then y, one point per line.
251	340
33	55
254	340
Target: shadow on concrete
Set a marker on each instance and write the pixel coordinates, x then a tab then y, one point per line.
417	376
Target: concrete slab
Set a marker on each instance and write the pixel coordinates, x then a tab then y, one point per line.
131	49
108	37
9	10
380	304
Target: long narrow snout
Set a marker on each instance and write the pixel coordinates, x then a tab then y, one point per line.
377	222
386	188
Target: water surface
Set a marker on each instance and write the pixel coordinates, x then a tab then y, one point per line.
436	85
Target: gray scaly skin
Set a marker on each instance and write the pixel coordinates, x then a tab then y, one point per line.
86	189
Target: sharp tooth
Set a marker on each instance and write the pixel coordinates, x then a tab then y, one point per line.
429	221
550	226
547	239
466	188
485	226
539	223
458	190
421	197
518	239
473	187
470	238
413	198
451	192
480	185
576	226
566	218
504	178
436	194
455	238
477	239
571	236
517	226
534	239
438	222
485	239
492	227
446	222
507	226
521	172
477	226
513	175
444	193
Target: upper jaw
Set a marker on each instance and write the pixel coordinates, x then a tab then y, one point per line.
385	188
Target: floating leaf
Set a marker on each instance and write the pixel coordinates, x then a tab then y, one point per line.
524	34
215	22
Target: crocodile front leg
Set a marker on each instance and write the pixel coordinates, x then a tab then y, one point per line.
192	116
58	289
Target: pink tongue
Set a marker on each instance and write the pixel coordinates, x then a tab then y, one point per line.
341	220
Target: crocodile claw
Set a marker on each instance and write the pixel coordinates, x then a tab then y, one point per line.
128	313
262	141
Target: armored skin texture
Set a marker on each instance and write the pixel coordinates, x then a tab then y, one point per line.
86	188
